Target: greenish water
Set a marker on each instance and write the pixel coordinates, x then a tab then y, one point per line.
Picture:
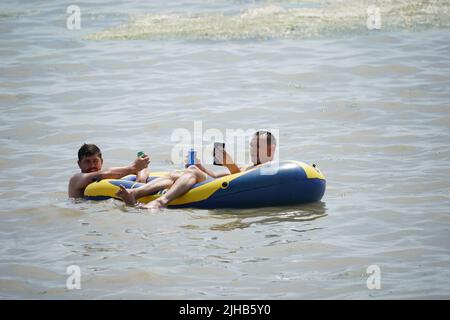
370	107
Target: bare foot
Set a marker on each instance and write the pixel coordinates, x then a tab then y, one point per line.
126	195
156	204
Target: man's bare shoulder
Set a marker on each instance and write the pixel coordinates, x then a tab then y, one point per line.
81	176
74	189
75	180
78	182
76	176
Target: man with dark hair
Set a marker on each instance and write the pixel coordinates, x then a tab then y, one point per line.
87	150
90	162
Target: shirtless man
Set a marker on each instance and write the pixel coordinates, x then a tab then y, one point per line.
262	150
90	162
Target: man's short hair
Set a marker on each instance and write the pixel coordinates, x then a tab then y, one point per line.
269	136
88	150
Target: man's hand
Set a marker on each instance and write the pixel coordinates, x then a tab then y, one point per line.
223	158
197	163
140	163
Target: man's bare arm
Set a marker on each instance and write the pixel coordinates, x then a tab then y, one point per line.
212	173
233	168
223	157
80	181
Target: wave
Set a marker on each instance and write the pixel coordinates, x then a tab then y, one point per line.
19	14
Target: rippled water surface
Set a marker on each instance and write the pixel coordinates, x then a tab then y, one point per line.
370	107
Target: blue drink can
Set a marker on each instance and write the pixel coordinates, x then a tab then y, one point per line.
191	157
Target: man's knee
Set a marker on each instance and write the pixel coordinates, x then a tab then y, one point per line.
192	169
199	174
174	175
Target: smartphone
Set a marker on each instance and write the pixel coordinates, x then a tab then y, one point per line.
218	145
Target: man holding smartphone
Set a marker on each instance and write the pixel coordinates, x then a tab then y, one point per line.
262	150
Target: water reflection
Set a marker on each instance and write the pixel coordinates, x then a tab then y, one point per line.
244	218
229	219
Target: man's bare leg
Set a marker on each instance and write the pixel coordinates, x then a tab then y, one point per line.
129	196
191	176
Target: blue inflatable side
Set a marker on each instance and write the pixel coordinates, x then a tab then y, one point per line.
288	183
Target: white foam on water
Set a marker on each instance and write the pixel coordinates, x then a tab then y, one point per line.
278	21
